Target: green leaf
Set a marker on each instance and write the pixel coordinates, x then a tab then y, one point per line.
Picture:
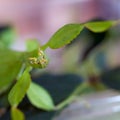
10	64
65	35
39	97
19	89
8	36
99	26
16	114
32	45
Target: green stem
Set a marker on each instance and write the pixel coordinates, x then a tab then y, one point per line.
44	47
79	90
21	71
29	68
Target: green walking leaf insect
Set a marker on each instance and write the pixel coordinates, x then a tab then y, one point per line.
39	62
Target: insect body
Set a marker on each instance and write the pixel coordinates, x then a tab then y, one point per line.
39	62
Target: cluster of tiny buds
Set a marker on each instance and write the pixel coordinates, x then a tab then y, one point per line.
39	61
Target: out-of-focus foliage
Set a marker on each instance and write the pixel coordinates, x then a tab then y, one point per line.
7	36
99	26
13	65
18	92
10	65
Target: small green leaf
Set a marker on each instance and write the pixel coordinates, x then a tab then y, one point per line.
39	97
7	36
19	89
99	26
65	35
16	114
32	45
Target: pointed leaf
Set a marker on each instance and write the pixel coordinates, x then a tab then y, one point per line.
39	97
99	26
16	114
65	35
19	89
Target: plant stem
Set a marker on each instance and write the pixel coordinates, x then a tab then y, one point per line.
29	68
44	47
21	71
79	90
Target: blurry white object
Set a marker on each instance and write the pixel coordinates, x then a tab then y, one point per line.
98	106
